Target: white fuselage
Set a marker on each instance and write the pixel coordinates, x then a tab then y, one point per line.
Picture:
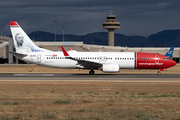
57	59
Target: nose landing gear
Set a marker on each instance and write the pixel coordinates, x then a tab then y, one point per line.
158	73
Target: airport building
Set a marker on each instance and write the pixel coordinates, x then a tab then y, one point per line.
6	57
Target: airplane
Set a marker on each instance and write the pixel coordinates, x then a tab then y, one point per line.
27	51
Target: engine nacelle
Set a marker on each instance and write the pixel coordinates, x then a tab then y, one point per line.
110	68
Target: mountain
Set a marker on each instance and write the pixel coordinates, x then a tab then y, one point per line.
172	37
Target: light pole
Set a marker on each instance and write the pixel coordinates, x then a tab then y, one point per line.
92	41
165	42
55	30
63	33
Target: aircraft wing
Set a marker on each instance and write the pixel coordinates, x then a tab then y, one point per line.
15	53
84	63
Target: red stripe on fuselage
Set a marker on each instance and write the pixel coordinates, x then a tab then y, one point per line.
152	61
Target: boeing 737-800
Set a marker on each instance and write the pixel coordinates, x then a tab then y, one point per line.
27	51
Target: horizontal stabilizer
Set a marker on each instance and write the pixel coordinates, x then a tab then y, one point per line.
15	53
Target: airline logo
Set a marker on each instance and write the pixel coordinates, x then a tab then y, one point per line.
170	52
150	63
54	55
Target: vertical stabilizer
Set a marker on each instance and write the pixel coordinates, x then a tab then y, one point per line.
22	42
170	52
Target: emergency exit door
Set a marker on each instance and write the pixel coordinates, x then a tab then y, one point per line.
38	58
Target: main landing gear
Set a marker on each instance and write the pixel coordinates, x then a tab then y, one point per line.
91	72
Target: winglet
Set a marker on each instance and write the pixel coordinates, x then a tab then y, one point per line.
170	52
64	52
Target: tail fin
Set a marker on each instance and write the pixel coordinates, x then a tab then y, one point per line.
170	52
22	42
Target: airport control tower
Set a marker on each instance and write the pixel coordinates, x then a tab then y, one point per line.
111	24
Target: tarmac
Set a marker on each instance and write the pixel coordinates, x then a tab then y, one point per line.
86	77
31	72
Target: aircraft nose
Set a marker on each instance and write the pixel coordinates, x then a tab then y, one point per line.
173	63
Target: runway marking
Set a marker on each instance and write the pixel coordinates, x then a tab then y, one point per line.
81	81
48	74
19	74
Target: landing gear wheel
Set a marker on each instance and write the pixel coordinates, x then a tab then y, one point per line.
158	73
91	72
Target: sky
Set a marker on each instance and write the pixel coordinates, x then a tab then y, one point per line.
80	17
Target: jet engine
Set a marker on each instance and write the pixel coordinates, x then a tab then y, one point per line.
110	68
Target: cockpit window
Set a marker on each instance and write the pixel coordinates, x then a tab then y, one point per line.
166	58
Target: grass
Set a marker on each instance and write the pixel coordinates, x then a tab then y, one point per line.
143	93
17	117
166	95
6	118
52	91
96	93
15	103
27	101
79	93
90	92
7	103
82	110
30	114
62	101
155	102
47	115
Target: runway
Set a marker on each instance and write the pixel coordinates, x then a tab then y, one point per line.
86	77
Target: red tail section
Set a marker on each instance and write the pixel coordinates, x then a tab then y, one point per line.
13	23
